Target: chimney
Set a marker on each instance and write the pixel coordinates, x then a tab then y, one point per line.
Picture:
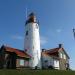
43	50
60	46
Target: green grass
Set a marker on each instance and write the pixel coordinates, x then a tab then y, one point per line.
35	72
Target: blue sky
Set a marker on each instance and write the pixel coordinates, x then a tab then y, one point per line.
56	17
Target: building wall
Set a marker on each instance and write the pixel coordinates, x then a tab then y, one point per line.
64	60
10	60
45	61
17	63
2	55
62	64
26	63
22	63
48	61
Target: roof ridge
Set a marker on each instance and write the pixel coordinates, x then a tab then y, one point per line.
53	48
13	48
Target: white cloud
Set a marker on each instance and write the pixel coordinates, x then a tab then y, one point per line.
58	30
43	40
17	37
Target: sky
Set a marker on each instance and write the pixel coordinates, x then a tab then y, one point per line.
56	21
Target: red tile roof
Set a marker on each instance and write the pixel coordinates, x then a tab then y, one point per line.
19	53
54	51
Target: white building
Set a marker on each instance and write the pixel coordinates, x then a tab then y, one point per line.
55	58
32	41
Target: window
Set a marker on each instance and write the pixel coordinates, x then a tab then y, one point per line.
36	26
64	56
26	32
61	55
46	61
22	62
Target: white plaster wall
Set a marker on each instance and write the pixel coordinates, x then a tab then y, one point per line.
32	44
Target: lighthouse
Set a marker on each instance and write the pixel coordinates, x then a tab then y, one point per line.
32	41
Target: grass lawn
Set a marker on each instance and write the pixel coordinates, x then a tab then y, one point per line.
35	72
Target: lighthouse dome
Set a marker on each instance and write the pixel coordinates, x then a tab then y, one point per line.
31	18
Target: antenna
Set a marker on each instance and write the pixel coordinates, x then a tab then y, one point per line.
26	12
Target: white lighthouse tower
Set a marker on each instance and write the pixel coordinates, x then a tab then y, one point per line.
32	41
